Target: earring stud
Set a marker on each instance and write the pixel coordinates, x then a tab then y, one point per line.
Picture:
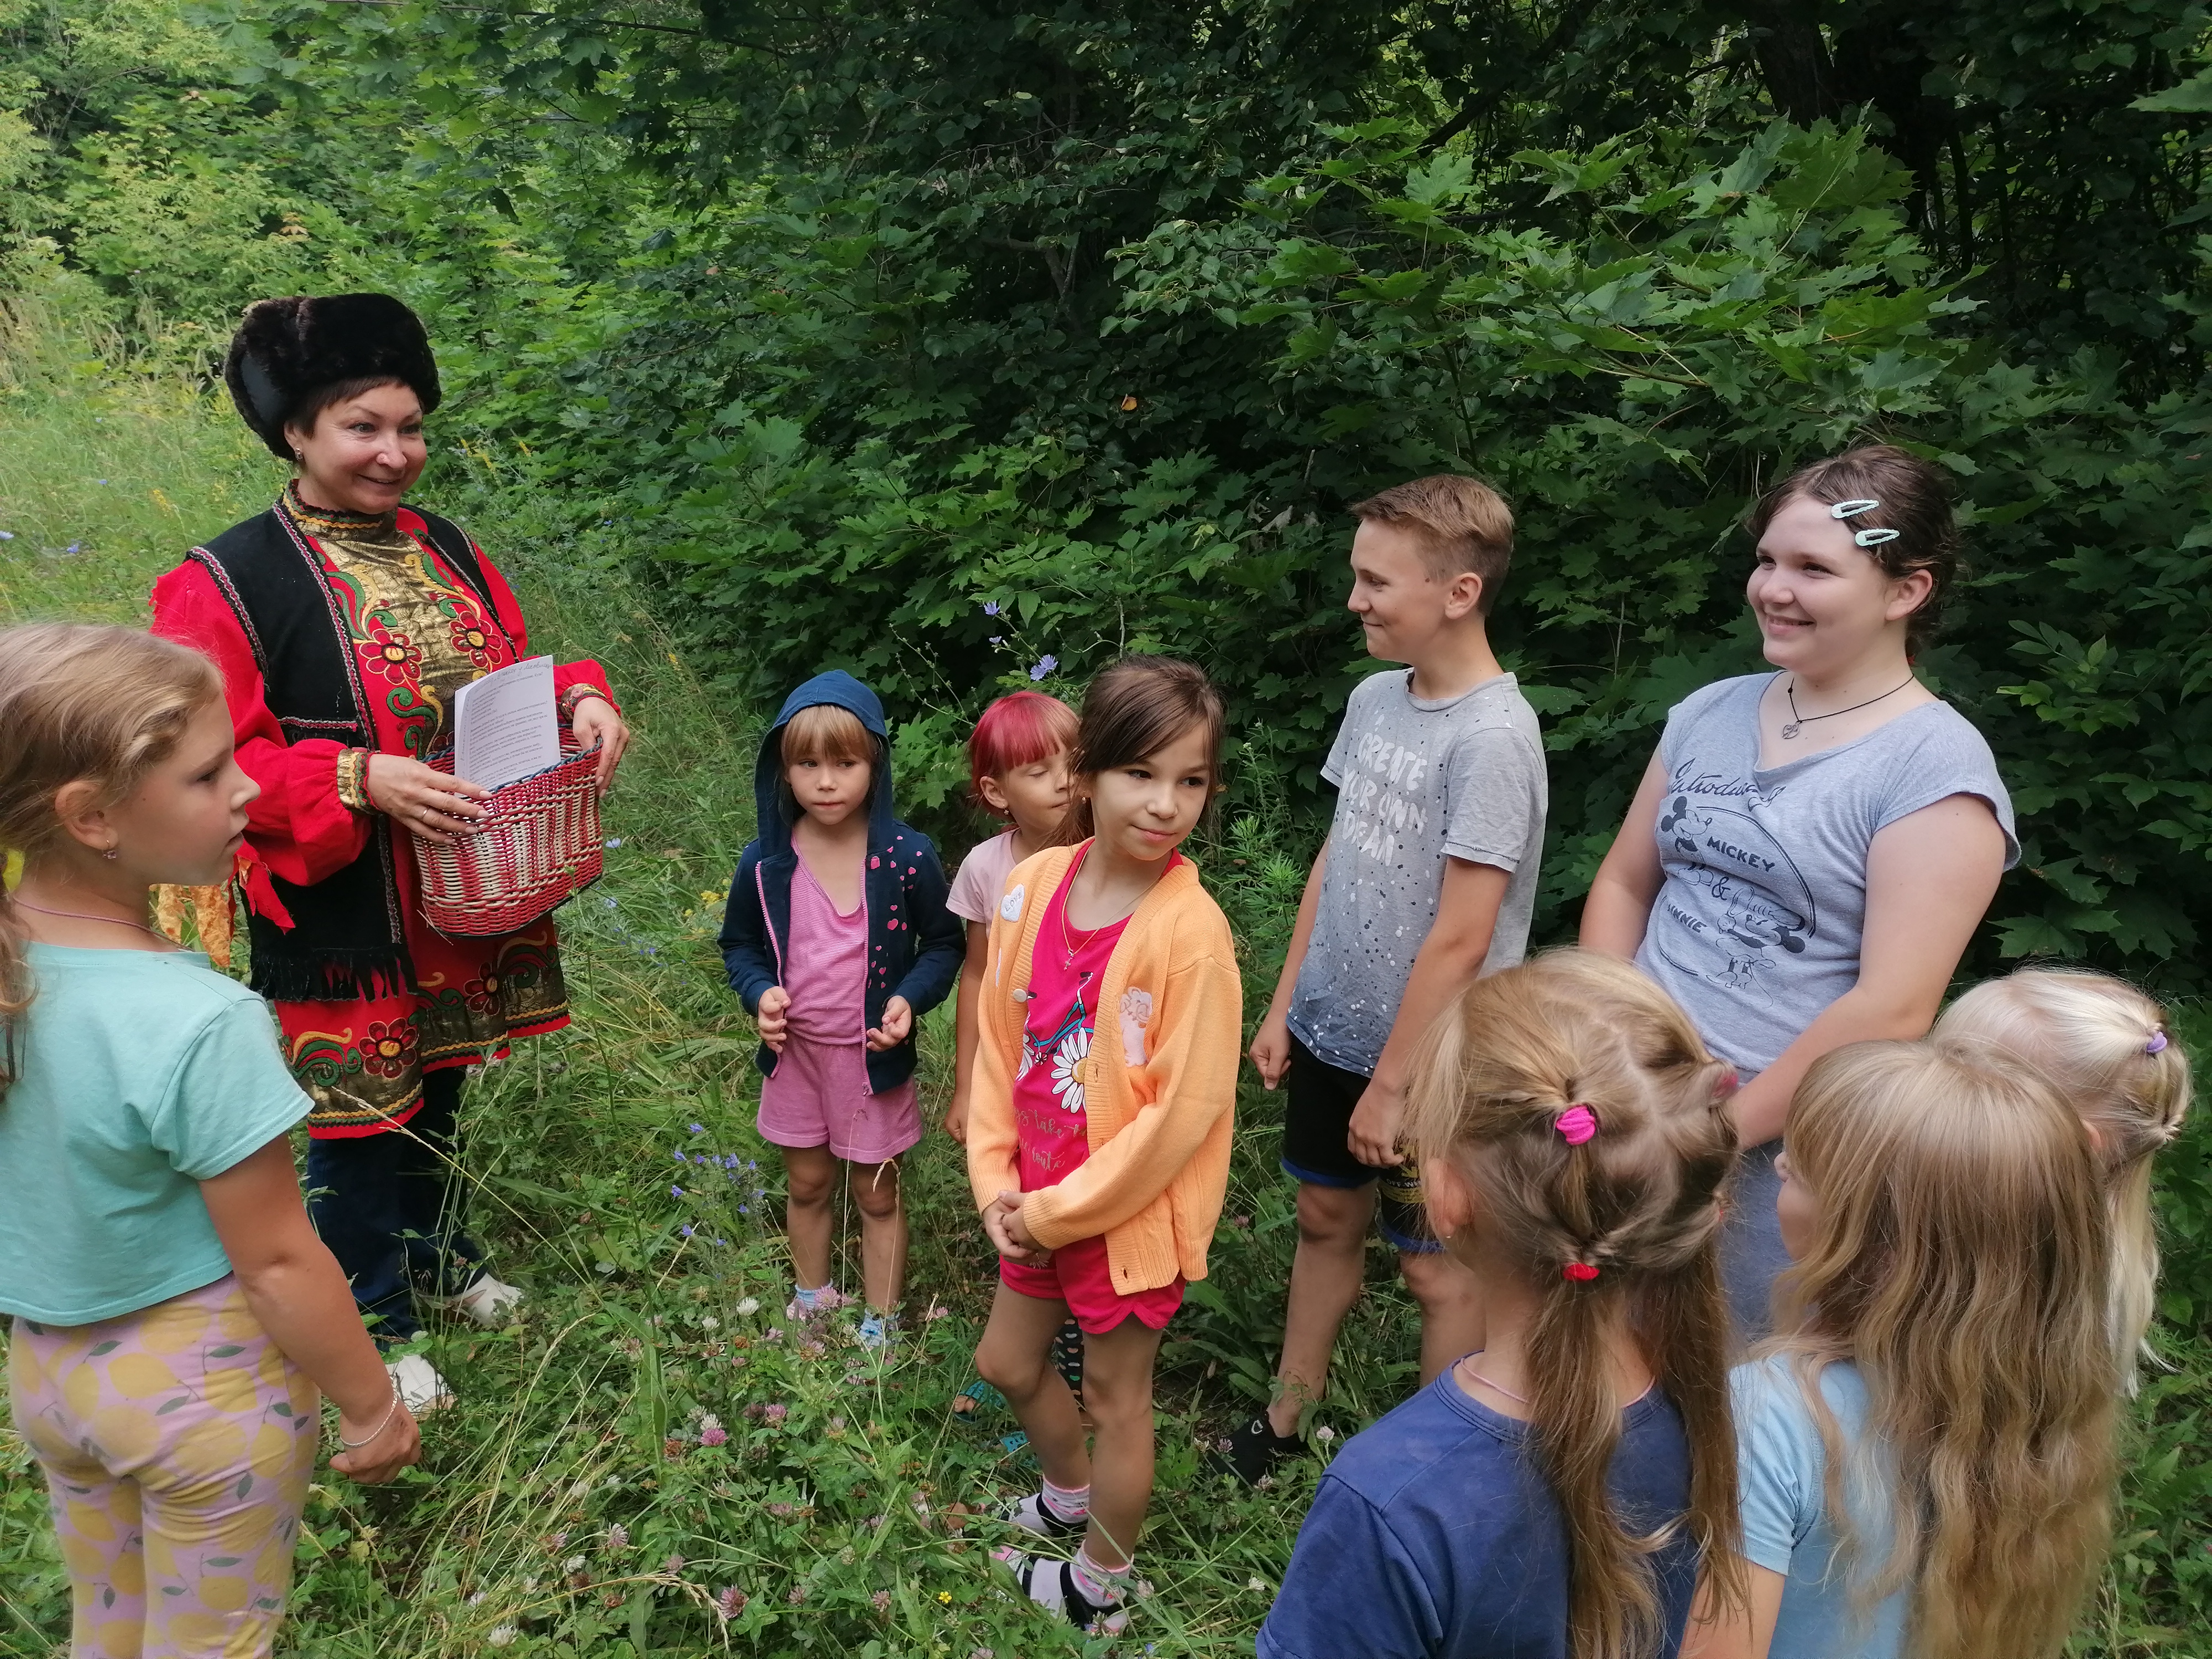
110	851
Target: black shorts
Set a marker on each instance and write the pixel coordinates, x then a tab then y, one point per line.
1316	1122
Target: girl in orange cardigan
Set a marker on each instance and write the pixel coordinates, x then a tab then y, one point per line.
1100	1115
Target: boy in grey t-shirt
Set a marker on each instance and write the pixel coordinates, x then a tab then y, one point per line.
1426	880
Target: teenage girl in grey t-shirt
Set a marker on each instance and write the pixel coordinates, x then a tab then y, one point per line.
1811	849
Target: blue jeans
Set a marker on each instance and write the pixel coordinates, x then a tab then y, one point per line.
1752	1256
390	1207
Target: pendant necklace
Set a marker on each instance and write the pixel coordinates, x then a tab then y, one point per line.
1069	946
1798	721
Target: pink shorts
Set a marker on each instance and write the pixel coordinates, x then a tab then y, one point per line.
1078	1274
818	1095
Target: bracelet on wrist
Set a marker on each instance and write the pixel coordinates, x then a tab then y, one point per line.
391	1411
353	781
576	696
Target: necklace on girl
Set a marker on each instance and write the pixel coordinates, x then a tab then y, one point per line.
82	915
1069	946
1475	1375
1797	722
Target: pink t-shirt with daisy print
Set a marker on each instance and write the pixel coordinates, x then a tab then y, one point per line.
1066	969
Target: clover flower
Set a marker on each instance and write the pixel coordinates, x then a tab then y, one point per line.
730	1603
500	1635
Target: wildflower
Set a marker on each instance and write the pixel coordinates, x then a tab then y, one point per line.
6	535
609	902
990	607
500	1635
618	1537
773	1333
573	1564
685	1230
774	1414
721	1240
680	1157
476	1598
529	1585
676	1192
883	1600
874	1522
1256	1584
557	1540
748	1307
72	547
730	1603
714	1434
709	1323
797	1594
673	1564
698	1128
614	841
100	481
671	1448
782	1511
946	1597
1042	667
998	639
1324	1434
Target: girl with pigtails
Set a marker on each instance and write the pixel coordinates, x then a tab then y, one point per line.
1552	1496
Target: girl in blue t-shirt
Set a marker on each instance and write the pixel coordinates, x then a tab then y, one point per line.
1926	1442
1550	1497
175	1314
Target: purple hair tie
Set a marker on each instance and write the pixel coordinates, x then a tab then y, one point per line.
2157	1043
1576	1125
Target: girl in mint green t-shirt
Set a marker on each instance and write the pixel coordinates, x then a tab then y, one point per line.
175	1317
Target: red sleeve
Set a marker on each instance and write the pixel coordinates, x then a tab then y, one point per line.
583	672
297	825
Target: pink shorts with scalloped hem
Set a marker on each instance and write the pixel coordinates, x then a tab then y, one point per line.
1078	1274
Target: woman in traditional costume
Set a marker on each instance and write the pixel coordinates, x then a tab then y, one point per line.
344	623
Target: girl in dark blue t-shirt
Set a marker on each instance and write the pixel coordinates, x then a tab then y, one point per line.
1550	1497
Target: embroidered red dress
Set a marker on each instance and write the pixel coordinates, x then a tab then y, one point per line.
408	625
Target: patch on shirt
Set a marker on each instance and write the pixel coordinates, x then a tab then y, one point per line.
1136	1014
1010	907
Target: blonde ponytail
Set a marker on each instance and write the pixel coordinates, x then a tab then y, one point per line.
78	702
1619	1226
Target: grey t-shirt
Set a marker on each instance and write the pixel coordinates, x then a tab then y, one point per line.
1757	925
1416	781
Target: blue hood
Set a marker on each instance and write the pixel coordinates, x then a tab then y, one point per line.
840	689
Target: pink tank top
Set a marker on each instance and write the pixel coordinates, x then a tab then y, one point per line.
827	971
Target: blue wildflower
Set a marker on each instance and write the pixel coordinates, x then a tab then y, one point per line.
72	547
614	841
721	1240
6	535
680	1158
698	1128
676	1192
1042	667
685	1230
609	902
998	639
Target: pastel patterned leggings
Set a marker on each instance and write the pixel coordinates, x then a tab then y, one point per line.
176	1444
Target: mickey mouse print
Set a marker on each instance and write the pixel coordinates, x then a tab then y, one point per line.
1757	905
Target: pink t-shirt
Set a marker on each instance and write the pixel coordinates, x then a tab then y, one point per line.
1066	969
983	879
827	971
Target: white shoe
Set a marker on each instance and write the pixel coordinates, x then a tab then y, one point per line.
421	1389
486	1302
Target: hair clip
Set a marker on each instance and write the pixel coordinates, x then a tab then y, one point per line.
1852	509
1581	1271
1873	537
2157	1043
1576	1125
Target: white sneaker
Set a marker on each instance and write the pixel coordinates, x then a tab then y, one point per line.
421	1389
487	1302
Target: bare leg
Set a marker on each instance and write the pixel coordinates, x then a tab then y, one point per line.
1117	1388
883	1233
809	1176
1325	1280
1451	1308
1015	1357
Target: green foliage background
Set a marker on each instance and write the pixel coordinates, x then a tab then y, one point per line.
945	342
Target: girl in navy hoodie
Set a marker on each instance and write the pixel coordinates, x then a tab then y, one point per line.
837	940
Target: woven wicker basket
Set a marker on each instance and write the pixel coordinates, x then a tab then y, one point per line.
536	845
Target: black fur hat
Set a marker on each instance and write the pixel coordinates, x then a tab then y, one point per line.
287	349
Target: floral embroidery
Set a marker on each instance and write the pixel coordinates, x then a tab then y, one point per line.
482	994
388	1050
469	637
392	655
1068	1069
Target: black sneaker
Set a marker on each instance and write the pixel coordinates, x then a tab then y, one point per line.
1254	1448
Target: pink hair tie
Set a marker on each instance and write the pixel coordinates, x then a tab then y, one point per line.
1581	1271
1576	1125
2157	1043
1727	1084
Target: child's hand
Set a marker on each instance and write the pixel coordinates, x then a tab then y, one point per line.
1373	1137
898	1020
955	1117
1271	1049
396	1445
772	1003
1002	1223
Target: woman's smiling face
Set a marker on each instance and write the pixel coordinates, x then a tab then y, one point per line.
1822	600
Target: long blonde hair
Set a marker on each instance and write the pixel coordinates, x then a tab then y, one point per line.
2105	1045
1958	1258
78	702
1638	1202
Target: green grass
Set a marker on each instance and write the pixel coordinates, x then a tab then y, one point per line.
844	1525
